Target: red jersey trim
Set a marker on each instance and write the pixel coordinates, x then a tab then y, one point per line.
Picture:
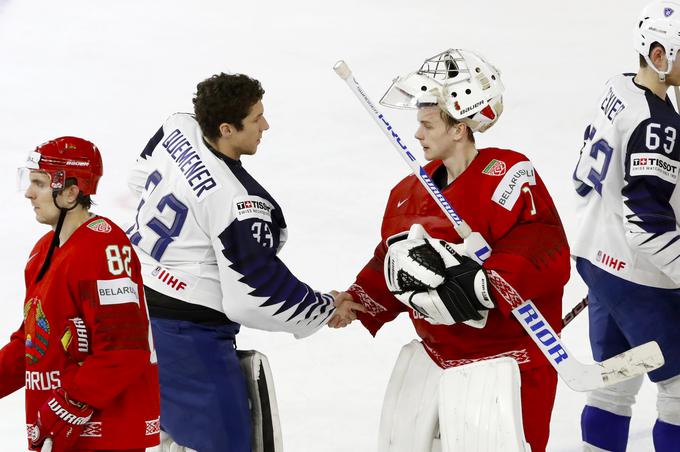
369	303
505	290
92	430
521	356
153	427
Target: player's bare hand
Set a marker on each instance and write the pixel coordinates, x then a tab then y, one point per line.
345	310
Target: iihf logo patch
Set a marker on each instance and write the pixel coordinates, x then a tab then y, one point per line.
668	12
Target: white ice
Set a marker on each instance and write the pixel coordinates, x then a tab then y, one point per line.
113	71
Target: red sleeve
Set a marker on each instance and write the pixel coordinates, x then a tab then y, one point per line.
114	311
13	363
532	255
371	291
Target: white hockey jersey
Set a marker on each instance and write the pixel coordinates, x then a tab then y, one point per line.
626	179
207	233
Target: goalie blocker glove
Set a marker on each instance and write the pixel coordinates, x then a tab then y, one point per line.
62	420
429	276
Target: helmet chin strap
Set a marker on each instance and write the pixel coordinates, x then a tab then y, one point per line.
662	78
55	239
662	74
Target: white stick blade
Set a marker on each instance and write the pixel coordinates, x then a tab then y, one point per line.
636	361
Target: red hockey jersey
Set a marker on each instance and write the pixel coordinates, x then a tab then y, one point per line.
95	276
500	196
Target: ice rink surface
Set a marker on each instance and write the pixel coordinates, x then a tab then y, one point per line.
113	71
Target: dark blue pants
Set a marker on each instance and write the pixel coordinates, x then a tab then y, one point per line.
624	314
204	397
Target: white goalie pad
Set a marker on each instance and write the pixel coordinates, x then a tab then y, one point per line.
408	422
264	410
481	407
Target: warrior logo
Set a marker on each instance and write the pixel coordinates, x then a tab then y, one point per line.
37	330
667	12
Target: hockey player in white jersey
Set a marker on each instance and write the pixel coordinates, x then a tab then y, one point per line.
627	244
207	234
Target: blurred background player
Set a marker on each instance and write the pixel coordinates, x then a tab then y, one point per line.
208	235
627	245
501	196
84	350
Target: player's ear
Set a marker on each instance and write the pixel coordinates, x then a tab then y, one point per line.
72	192
658	57
226	129
459	131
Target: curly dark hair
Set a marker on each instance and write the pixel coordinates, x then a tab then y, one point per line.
225	98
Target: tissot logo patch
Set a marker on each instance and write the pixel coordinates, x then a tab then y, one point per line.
117	291
247	207
650	164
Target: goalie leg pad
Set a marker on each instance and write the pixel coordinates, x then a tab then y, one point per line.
480	407
409	415
264	410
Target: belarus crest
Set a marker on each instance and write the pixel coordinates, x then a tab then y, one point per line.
495	168
37	330
100	226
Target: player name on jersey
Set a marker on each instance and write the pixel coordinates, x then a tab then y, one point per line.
611	105
189	163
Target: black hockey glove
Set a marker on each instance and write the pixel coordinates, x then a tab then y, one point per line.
429	276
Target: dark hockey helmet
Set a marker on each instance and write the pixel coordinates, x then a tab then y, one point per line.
68	157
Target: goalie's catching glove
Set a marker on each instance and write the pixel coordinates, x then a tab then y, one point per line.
429	276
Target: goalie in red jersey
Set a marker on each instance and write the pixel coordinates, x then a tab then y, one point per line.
84	350
461	310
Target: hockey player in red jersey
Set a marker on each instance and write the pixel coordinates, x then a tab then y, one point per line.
500	195
84	350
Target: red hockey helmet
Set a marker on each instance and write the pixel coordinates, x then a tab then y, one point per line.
68	157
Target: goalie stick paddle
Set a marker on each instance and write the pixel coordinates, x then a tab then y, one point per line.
47	446
577	375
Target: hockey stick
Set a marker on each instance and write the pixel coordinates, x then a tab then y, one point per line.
577	375
475	245
576	310
47	446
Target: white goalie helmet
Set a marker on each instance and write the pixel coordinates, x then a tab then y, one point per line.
659	22
460	82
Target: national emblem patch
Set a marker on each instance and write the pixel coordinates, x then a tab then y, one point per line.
37	330
495	168
100	225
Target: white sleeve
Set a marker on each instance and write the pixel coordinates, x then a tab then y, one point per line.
258	289
140	173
